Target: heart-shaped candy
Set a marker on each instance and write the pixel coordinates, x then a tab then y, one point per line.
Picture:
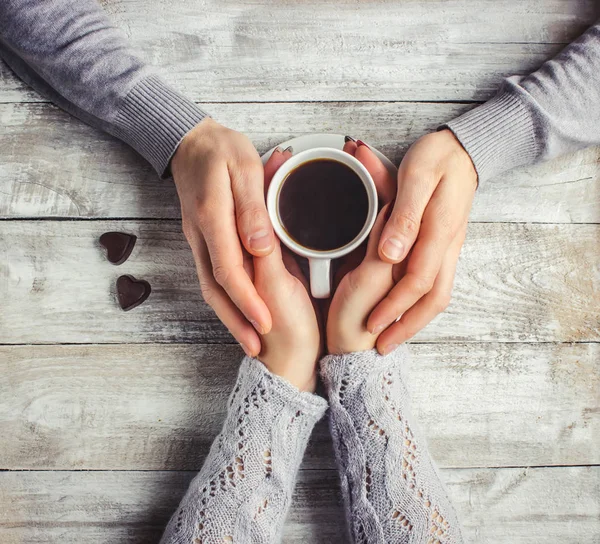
118	246
132	292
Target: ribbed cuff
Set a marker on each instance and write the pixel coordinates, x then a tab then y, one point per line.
153	119
498	135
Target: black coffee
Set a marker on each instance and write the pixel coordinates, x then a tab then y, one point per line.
323	204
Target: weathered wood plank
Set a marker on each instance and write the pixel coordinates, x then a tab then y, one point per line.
156	407
515	283
342	50
53	165
499	506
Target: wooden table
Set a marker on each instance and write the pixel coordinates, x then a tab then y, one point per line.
105	416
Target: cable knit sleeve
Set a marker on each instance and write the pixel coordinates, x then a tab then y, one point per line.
243	492
391	489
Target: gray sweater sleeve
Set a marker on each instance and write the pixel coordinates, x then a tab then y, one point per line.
69	52
392	492
244	490
550	112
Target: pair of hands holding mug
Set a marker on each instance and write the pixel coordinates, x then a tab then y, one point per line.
294	344
220	182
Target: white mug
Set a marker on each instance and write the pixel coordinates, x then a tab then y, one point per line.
320	261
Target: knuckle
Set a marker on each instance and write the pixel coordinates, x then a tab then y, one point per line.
249	170
406	223
422	284
222	275
253	168
187	230
251	216
208	294
355	281
206	288
441	303
445	219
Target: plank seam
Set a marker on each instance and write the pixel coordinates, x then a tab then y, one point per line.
328	470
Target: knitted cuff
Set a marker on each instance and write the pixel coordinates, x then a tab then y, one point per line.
347	372
153	119
254	375
498	135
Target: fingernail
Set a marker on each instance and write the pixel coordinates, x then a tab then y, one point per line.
360	142
257	326
393	249
289	149
278	150
260	240
349	139
377	329
246	350
388	349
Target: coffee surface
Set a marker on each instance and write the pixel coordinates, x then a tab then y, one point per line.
323	204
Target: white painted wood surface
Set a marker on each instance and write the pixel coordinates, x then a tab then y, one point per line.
99	441
157	407
516	283
496	506
420	50
53	165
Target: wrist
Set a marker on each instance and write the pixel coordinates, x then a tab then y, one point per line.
189	146
277	393
301	374
462	158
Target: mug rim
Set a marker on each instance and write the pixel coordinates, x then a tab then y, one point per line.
306	156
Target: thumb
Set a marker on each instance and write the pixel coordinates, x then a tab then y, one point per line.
402	228
253	223
270	270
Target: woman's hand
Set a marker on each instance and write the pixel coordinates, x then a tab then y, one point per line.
219	178
359	291
426	231
293	346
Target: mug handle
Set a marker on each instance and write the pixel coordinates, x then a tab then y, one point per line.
320	277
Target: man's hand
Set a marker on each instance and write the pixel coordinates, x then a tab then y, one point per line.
426	231
219	179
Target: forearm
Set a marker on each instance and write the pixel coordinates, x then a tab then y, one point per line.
540	116
244	489
70	52
391	489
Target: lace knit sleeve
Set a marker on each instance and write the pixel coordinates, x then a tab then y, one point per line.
244	489
391	489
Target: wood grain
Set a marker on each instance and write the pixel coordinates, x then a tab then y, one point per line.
156	407
515	283
252	50
53	165
494	386
496	506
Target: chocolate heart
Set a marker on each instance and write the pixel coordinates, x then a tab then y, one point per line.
118	246
132	292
